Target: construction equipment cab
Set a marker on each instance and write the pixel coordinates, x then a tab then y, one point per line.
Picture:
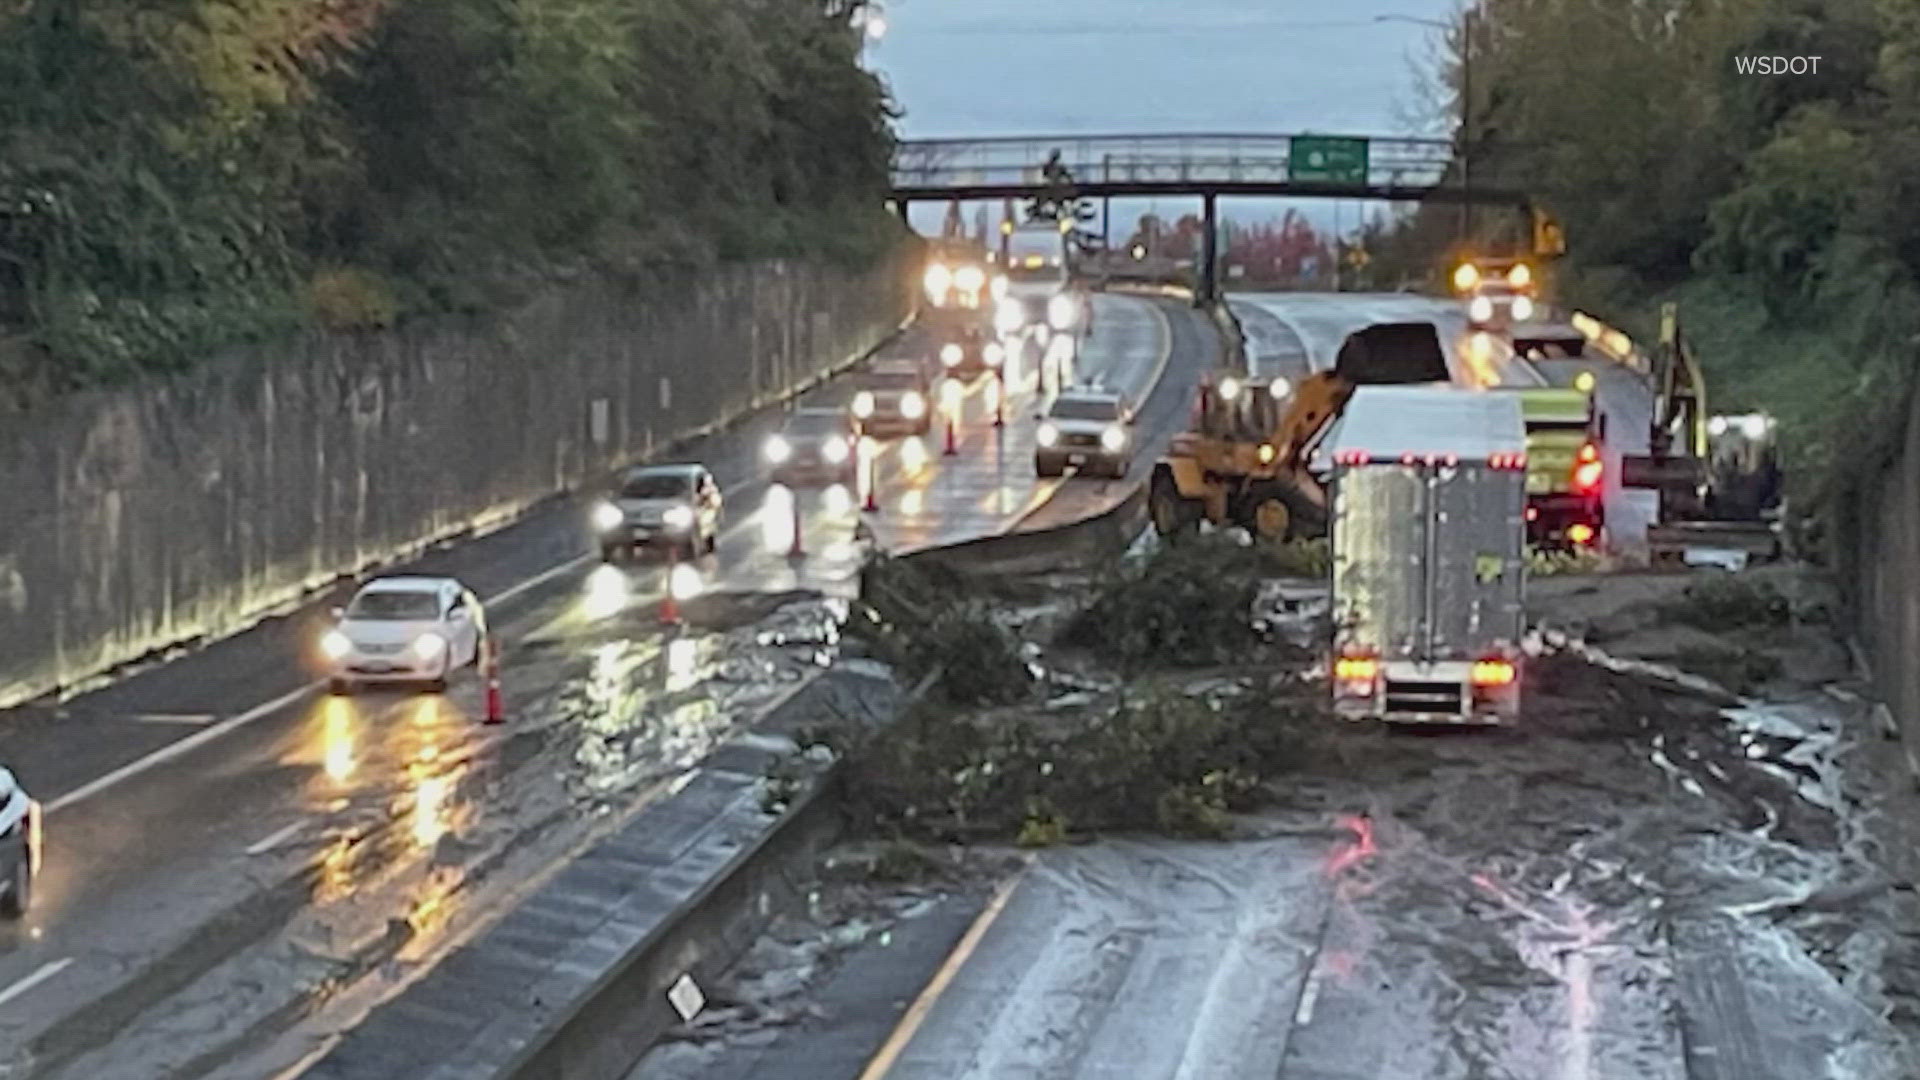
1566	473
1245	461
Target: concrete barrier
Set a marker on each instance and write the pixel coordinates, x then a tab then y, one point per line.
1077	545
180	510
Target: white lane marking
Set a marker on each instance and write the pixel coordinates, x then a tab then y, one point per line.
47	971
192	719
538	579
175	749
1303	1015
268	843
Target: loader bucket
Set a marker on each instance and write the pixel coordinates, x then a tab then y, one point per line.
1388	353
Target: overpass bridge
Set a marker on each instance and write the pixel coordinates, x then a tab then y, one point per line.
1206	166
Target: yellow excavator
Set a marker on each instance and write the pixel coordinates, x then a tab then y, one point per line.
1244	462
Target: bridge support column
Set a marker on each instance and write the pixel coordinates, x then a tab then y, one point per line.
1208	289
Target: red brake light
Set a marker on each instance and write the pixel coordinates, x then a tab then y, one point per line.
1493	673
1586	475
1533	513
1589	452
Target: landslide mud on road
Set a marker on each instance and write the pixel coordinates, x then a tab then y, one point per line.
1663	873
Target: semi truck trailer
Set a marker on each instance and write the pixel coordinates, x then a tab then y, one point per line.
1428	533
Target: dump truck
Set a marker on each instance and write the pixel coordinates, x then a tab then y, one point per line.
1244	462
1565	472
1429	555
1718	477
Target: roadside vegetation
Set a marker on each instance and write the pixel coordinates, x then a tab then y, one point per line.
1779	211
178	178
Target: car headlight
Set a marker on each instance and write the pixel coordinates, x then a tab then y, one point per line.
1717	426
429	645
1229	388
913	405
1280	387
678	517
1048	435
608	516
939	279
334	644
1009	316
1522	307
1113	439
863	404
1061	311
994	354
1754	426
778	449
1480	309
950	354
835	451
969	278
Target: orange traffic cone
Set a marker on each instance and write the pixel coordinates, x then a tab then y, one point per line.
670	604
496	707
873	482
953	445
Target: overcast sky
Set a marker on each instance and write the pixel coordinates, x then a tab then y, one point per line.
1017	67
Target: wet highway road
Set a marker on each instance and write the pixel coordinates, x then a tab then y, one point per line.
227	847
1290	333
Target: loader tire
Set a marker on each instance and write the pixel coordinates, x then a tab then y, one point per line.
1277	512
1173	513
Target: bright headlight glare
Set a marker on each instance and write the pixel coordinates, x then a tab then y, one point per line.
778	449
335	644
1280	387
1061	312
1754	426
863	404
678	517
1717	426
1009	316
1522	307
939	279
1229	389
994	354
835	451
607	516
1480	309
1113	438
1048	435
429	645
950	354
912	405
969	278
999	287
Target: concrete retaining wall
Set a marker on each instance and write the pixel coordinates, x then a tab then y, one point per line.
1876	548
180	509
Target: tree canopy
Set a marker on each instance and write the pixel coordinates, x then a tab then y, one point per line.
178	175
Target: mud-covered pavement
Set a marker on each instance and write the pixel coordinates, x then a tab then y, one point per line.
1655	877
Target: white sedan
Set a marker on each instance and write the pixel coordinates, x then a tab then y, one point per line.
404	629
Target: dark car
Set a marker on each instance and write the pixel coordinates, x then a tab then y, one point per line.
893	397
969	353
672	506
816	447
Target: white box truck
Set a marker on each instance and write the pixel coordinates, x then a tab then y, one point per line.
1428	527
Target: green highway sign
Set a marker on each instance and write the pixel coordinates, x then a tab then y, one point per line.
1326	159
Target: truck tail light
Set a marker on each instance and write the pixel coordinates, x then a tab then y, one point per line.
1586	474
1533	513
1580	533
1356	674
1492	673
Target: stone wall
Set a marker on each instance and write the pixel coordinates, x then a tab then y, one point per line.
179	509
